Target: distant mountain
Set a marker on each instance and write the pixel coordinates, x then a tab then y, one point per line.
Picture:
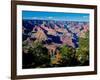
58	32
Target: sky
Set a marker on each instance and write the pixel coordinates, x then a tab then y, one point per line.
59	16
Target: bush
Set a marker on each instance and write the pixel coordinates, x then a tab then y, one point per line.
82	53
68	55
39	54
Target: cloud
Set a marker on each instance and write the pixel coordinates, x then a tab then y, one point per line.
50	17
85	16
34	18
